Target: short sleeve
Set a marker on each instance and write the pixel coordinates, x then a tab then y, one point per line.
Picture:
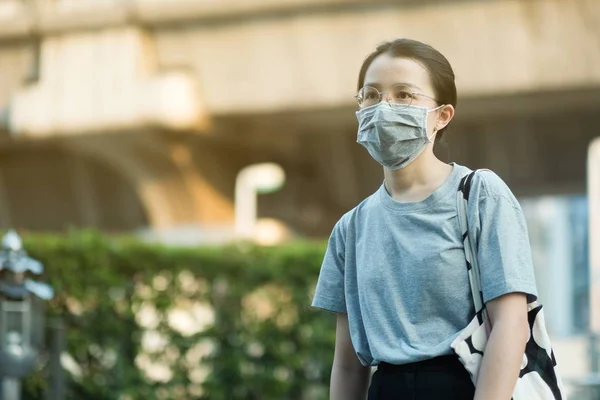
329	293
503	249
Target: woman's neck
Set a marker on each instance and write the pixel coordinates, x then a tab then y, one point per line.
418	180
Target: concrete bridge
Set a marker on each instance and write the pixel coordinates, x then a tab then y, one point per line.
129	114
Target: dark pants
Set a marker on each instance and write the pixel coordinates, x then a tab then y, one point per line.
441	378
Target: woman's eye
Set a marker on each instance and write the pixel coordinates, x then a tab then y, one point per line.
404	95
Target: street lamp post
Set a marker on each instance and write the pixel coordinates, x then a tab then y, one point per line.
252	180
21	314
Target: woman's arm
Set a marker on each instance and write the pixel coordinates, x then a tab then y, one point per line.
349	378
504	350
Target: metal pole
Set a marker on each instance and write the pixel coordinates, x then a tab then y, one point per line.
57	347
11	389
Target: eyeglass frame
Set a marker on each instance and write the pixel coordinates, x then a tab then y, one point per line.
412	92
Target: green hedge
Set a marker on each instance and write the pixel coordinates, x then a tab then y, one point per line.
259	338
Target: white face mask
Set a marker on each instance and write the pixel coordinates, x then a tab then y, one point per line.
394	135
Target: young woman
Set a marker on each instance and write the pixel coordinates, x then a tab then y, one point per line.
395	270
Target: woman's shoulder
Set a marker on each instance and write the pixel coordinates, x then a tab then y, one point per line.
488	184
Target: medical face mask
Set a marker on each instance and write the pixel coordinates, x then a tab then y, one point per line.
394	134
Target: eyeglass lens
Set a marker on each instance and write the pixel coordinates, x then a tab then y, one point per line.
398	94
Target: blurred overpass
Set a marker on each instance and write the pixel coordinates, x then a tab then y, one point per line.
128	114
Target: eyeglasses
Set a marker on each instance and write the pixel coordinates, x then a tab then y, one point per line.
398	94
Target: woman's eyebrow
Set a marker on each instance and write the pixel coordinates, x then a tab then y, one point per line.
373	84
378	86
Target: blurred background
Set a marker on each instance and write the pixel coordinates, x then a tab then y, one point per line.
163	119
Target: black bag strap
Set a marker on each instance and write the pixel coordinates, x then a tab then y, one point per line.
469	241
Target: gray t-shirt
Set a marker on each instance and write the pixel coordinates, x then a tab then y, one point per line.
399	269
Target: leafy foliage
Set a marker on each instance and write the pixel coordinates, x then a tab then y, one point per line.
151	322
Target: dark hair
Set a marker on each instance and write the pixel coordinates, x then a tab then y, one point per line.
440	70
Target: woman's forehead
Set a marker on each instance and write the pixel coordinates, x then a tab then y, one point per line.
386	70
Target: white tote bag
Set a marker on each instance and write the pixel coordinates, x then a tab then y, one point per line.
539	378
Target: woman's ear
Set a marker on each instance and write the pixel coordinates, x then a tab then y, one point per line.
445	115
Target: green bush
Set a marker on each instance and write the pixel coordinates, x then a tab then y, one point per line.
254	335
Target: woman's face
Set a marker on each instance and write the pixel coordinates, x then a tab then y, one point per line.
387	71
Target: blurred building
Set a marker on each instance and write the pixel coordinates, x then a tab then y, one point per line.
138	115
